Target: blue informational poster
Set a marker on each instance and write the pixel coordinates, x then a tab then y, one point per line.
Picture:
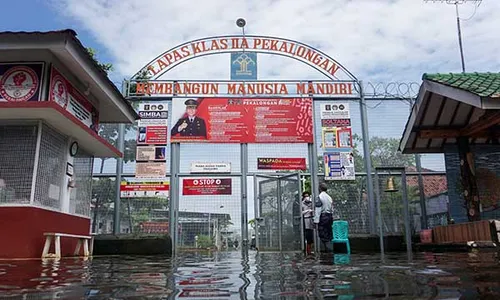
339	165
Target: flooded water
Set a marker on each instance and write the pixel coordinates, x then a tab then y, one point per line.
227	275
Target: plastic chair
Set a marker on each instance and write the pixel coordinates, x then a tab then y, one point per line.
341	234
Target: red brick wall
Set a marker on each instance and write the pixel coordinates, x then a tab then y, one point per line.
22	228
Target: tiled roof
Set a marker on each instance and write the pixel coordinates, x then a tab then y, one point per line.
481	84
433	184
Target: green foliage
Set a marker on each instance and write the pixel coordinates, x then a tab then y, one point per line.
143	75
384	152
106	67
350	199
205	241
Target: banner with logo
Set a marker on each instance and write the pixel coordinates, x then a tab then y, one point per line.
206	186
20	82
144	189
244	66
69	98
339	165
289	163
243	120
152	133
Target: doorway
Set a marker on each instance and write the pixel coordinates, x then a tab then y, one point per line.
278	217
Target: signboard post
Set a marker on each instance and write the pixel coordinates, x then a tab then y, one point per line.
337	141
152	140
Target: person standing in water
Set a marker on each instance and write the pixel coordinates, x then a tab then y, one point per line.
308	214
323	217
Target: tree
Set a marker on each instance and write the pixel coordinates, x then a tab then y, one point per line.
110	131
106	67
350	199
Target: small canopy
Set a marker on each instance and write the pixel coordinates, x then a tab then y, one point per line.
67	49
450	106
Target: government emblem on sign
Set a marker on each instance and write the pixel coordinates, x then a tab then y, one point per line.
18	84
243	65
59	91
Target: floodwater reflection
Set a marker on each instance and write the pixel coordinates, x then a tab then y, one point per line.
229	275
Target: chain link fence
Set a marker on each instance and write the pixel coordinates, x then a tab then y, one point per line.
202	216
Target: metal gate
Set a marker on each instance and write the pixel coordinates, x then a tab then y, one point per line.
279	225
209	212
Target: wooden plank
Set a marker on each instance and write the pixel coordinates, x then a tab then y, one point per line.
438	133
484	122
46	247
67	235
58	247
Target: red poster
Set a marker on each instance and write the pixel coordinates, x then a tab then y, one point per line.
344	137
152	135
68	97
242	120
206	186
268	163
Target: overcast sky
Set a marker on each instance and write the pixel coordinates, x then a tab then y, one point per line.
378	40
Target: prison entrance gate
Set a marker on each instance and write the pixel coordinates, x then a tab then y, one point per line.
278	217
236	116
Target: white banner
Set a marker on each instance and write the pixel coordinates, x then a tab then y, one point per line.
335	111
153	114
200	167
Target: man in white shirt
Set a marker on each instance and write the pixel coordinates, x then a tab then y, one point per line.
323	217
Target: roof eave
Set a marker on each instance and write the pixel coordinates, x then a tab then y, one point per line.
65	43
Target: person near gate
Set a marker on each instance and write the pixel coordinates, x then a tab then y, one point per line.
191	125
323	217
308	214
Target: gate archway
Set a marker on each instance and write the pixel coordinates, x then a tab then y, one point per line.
340	85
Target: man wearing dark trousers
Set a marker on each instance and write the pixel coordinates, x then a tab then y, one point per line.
323	218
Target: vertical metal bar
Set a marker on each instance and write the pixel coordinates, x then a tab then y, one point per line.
119	169
37	159
406	214
174	195
314	169
244	200
367	157
280	217
460	38
302	237
379	212
256	209
313	157
421	187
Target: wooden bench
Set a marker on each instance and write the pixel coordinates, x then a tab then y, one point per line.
82	239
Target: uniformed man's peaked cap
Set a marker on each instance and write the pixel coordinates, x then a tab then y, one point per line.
191	102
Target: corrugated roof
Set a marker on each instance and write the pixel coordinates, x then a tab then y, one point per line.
72	34
481	84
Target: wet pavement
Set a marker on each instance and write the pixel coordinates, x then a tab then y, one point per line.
227	275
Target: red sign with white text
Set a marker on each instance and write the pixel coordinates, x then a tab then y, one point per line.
69	98
268	163
242	120
206	186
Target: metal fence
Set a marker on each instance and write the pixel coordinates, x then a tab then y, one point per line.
22	147
204	216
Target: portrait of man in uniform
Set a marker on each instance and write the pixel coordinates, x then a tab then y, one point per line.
191	125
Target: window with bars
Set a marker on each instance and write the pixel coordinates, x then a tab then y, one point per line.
17	159
51	168
81	194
